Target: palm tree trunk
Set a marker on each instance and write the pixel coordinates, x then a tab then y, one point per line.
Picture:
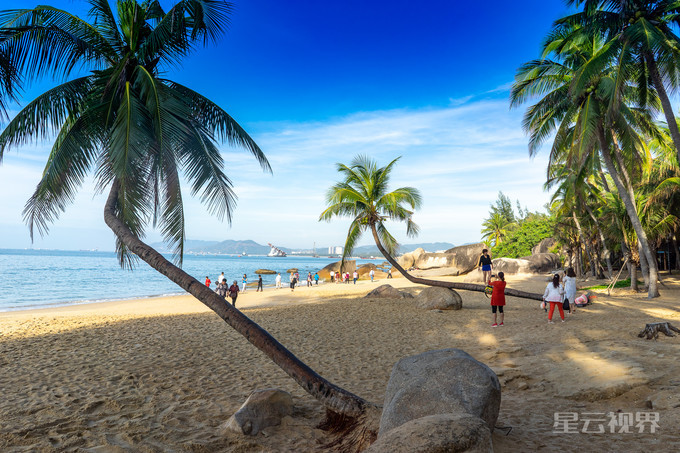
585	244
605	251
677	252
450	285
644	265
333	397
629	203
665	101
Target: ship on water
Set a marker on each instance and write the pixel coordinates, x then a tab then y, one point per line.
276	252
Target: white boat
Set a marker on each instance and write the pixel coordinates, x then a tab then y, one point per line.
276	252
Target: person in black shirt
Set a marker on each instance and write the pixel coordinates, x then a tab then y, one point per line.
259	283
487	265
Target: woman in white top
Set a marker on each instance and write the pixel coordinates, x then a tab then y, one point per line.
553	294
570	288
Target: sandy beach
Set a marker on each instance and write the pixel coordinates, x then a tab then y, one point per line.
159	375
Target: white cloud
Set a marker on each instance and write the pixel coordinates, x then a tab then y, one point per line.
459	157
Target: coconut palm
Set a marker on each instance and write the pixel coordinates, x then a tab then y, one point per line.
640	34
364	196
140	134
576	107
496	228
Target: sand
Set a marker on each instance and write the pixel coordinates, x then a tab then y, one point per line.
159	375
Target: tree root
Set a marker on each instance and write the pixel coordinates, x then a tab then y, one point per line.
353	434
652	330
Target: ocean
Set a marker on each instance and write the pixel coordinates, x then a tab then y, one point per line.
32	279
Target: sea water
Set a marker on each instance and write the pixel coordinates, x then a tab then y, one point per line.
46	278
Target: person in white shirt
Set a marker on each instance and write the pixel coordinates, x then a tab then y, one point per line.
355	276
570	289
221	278
553	294
332	276
372	274
278	281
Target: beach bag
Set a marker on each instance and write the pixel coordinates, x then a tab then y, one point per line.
543	305
581	301
565	304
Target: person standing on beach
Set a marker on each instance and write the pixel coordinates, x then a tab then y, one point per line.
316	278
553	294
259	283
309	279
332	276
278	281
233	292
486	264
207	281
243	282
221	278
570	289
371	274
389	273
222	289
498	298
355	276
293	281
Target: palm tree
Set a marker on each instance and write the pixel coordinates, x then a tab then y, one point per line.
640	33
363	195
576	107
496	228
138	132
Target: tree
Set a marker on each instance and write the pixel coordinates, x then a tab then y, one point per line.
363	196
640	34
138	132
587	110
496	228
503	207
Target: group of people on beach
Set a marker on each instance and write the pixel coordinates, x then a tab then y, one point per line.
560	292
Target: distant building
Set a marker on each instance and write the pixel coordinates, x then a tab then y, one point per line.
338	250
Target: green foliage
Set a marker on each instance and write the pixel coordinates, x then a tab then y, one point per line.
520	241
503	207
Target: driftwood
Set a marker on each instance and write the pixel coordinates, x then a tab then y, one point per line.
652	330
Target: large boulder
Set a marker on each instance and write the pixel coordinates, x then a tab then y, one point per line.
441	433
263	408
387	292
409	260
544	246
509	266
445	381
325	273
543	262
439	299
458	259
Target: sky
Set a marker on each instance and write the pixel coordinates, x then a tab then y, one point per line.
317	83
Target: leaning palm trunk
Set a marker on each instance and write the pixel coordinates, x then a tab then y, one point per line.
629	203
333	397
441	284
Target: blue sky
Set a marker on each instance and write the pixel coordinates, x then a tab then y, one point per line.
317	83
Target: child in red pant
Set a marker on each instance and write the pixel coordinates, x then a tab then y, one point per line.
554	293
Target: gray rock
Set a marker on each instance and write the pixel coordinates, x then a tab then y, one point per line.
544	246
263	408
543	262
387	292
439	298
441	433
325	273
440	382
265	272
